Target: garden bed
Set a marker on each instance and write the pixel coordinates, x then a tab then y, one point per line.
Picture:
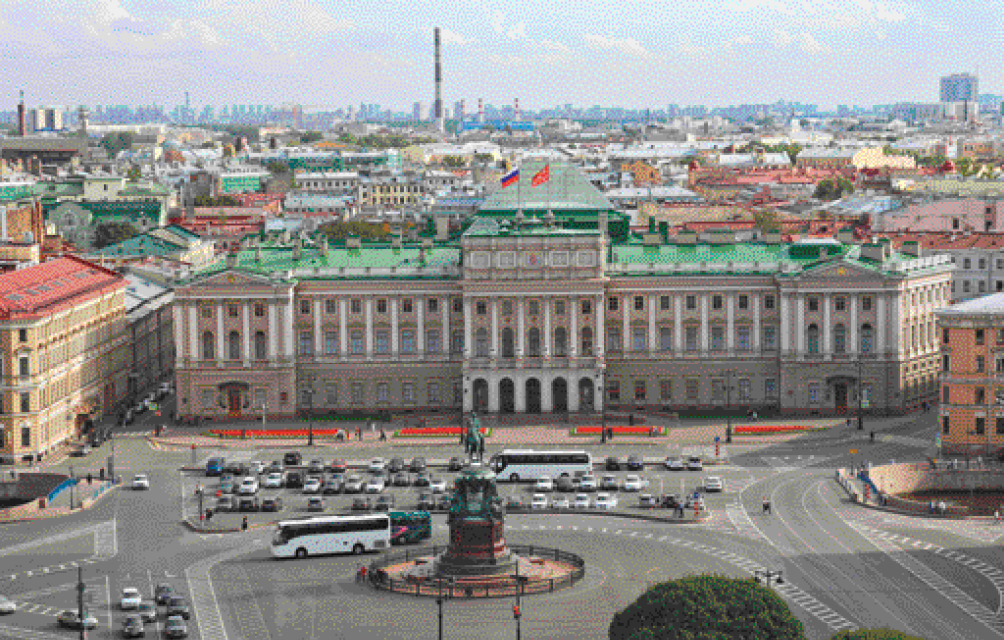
274	433
436	432
767	429
618	430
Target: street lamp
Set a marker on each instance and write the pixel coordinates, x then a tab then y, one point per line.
728	405
861	393
517	610
766	576
603	412
310	414
972	484
440	600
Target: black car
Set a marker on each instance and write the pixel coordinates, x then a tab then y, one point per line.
669	502
271	504
418	464
422	480
362	503
426	501
456	463
635	463
613	463
338	466
234	469
566	484
395	465
385	502
333	485
292	459
294	479
647	501
443	502
402	479
176	606
163	593
248	503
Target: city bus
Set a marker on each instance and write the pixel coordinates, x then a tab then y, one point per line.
410	527
334	534
524	464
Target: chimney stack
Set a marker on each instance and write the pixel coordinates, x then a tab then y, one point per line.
22	125
518	115
438	107
481	110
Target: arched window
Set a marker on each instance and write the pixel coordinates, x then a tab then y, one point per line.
587	341
839	339
534	343
481	343
208	346
260	348
812	335
867	338
234	342
560	341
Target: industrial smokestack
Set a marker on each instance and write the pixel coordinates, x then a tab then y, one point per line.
438	113
518	116
481	110
22	124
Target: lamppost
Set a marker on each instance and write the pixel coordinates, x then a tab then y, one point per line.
517	610
73	485
310	414
972	483
766	576
602	399
861	393
440	600
728	405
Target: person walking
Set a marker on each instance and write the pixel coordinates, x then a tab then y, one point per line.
766	506
481	449
997	516
359	432
383	435
244	524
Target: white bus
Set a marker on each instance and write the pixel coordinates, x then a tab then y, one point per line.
335	534
524	464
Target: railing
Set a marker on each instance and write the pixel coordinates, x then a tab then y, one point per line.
59	489
476	586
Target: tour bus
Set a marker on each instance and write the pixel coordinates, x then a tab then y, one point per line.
524	464
335	534
410	527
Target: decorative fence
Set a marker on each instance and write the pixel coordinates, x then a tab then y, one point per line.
62	486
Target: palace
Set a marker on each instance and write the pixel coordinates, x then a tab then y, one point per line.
553	308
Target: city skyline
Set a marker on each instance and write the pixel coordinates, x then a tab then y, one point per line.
829	53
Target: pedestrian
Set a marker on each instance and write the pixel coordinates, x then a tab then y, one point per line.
871	435
481	449
209	515
90	477
930	506
997	516
244	524
848	423
766	506
383	435
603	435
942	508
359	432
102	474
372	426
631	419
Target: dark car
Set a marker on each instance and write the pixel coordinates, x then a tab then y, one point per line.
402	479
613	463
385	502
315	504
72	620
647	501
163	593
422	480
426	501
294	479
248	503
635	463
333	485
271	504
233	468
225	503
316	466
176	606
669	501
418	464
338	466
515	502
362	503
292	459
133	627
456	463
175	627
395	465
444	501
566	484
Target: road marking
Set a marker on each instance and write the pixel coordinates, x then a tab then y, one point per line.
205	606
28	634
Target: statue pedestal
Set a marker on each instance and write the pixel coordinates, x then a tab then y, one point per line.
477	547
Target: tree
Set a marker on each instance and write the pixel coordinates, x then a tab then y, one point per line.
454	161
874	634
832	189
707	607
116	142
109	233
134	173
766	220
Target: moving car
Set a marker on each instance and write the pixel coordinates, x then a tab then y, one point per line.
292	459
353	484
7	606
566	484
376	485
273	481
544	483
385	502
714	484
338	465
163	592
294	479
418	464
224	503
635	463
333	485
581	502
634	483
147	611
421	480
606	501
275	467
271	504
177	606
395	465
612	463
377	465
647	501
362	503
560	502
312	486
609	483
80	450
248	503
315	466
514	502
315	504
694	463
228	486
175	627
132	627
587	483
249	486
456	463
673	463
130	599
72	620
140	481
426	501
257	467
402	479
437	484
539	501
214	466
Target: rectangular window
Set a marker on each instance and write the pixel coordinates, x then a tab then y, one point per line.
408	392
613	304
980	337
945	424
1000	426
666	390
691	303
433	392
330	306
980	395
744	301
981	364
768	301
24	366
304	308
693	388
966	286
356	389
306	343
717	338
638	339
665	339
813	304
284	398
813	393
233	311
208	398
946	362
613	391
259	310
944	336
260	398
981	426
716	302
743	339
381	306
866	303
356	306
743	389
944	394
533	308
664	303
331	395
407	306
432	305
640	390
207	312
356	342
434	341
25	436
587	307
613	340
408	341
840	303
717	390
691	334
770	388
639	303
482	308
330	342
967	263
458	305
457	343
559	307
769	338
25	403
382	342
22	334
1000	336
383	392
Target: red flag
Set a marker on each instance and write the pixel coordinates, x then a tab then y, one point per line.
541	176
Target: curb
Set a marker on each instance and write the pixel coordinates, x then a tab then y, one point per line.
45	515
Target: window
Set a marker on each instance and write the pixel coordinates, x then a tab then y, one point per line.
1000	336
357	393
716	302
946	362
207	312
407	341
560	342
867	338
234	341
507	307
717	338
1000	426
692	386
383	392
407	306
331	395
434	341
945	424
691	333
840	303
967	263
306	343
945	395
639	303
769	338
944	336
481	343
356	343
381	306
718	390
481	308
613	304
259	309
983	263
208	346
408	392
304	307
691	303
839	339
665	339
981	426
768	301
979	395
587	341
559	307
744	301
25	436
743	338
640	390
232	310
432	390
534	308
982	286
743	387
980	337
330	342
457	342
770	388
25	402
432	305
966	286
330	306
208	398
981	364
664	303
813	393
613	340
813	304
638	339
866	303
458	305
666	390
356	306
812	339
24	366
587	307
458	392
382	341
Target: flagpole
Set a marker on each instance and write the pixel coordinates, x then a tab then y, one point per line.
519	190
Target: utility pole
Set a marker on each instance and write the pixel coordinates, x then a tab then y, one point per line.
73	486
80	603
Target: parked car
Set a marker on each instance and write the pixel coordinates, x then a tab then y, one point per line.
353	484
634	483
132	627
228	486
376	485
418	464
669	501
674	463
338	465
72	620
248	503
606	501
587	483
538	501
175	627
7	605
437	484
315	466
333	485
257	467
224	503
566	484
214	466
395	465
292	459
560	502
271	504
544	483
402	479
377	465
163	592
362	503
315	504
140	482
456	463
694	463
612	463
249	486
294	479
234	468
515	502
635	463
147	611
422	480
714	484
385	502
177	606
275	467
581	502
273	481
426	501
444	501
80	450
312	486
648	501
609	483
130	599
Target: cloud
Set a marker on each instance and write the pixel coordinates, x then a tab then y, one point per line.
806	42
626	46
517	31
452	37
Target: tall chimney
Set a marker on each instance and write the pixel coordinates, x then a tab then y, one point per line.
518	117
22	125
438	113
481	110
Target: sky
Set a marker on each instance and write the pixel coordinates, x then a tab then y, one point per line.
629	53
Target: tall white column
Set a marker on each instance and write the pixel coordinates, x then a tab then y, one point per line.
705	328
468	347
495	329
756	300
547	327
854	347
290	344
651	324
343	326
730	321
318	336
882	324
369	328
447	336
420	328
273	331
800	323
220	342
600	341
247	334
626	343
678	324
520	333
827	325
395	330
784	331
573	336
193	328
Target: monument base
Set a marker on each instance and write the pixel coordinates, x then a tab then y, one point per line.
477	548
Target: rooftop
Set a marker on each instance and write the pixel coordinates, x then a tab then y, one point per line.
52	285
987	305
567	189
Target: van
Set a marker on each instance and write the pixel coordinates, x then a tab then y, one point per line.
214	466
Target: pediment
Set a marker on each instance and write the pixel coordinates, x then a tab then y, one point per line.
233	278
840	271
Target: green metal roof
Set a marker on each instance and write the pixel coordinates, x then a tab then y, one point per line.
534	226
143	244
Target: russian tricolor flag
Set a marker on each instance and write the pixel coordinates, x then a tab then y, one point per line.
510	178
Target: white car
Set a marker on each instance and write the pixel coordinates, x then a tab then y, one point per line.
313	485
140	481
694	464
130	599
675	464
544	483
249	486
257	466
582	502
377	465
437	485
539	501
273	481
561	502
606	501
7	606
375	485
588	483
714	483
634	483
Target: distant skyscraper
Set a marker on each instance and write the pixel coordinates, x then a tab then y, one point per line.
416	112
960	87
458	109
